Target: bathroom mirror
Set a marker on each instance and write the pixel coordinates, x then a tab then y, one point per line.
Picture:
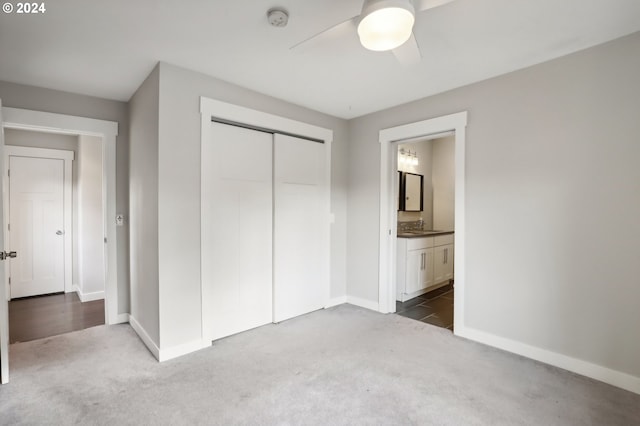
411	192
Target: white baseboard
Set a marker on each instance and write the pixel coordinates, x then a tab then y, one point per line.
146	339
186	348
368	304
88	297
121	319
336	301
594	371
168	353
363	303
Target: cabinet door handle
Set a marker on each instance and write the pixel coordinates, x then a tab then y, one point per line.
446	255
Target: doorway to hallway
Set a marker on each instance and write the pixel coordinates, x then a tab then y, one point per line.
105	132
55	224
389	138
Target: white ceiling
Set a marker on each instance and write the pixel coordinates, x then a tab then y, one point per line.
106	48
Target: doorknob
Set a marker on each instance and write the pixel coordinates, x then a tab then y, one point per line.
7	254
59	232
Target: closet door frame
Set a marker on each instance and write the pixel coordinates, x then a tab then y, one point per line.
211	109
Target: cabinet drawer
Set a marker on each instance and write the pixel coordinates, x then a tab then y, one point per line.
419	243
443	240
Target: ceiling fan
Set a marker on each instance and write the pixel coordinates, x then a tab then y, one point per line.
384	25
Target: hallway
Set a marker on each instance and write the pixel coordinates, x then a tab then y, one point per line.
37	317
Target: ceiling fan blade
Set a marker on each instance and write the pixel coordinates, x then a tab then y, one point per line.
429	4
409	52
335	31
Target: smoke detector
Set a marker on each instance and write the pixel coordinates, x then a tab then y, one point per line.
278	17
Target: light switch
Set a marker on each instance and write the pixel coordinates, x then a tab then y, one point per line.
119	219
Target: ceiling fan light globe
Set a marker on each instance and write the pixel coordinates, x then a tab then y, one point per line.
385	24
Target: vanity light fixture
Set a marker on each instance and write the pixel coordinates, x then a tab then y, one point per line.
407	157
385	24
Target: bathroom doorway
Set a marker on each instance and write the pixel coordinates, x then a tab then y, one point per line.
425	230
449	246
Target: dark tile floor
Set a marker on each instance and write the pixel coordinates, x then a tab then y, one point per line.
33	318
435	307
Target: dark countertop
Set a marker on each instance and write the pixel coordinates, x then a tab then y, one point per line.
421	234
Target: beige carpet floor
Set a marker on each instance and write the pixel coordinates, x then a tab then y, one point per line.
341	366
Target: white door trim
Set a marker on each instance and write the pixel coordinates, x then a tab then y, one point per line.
210	108
4	304
24	119
388	210
55	154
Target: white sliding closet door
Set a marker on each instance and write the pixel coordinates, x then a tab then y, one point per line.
301	228
237	222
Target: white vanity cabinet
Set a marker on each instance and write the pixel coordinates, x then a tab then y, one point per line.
422	264
419	270
443	258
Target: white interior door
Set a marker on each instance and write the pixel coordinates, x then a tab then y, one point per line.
4	304
300	227
237	224
36	219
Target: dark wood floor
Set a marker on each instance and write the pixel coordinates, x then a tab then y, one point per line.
34	318
435	307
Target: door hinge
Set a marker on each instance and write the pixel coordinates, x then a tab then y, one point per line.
8	173
9	280
8	227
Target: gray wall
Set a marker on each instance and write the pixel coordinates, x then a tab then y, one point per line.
19	137
40	99
552	203
91	218
143	188
444	180
179	193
